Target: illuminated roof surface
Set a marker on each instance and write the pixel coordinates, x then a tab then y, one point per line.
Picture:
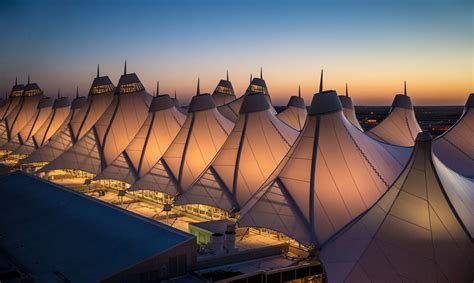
82	121
256	146
333	174
400	127
411	234
295	113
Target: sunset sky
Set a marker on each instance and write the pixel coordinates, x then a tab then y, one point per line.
372	45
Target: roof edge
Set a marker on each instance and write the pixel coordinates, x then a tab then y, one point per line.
325	103
201	102
254	102
402	101
161	102
296	101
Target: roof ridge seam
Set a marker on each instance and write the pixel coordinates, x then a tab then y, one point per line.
366	158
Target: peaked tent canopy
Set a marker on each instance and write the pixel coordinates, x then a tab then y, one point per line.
89	111
58	118
11	102
333	174
200	138
112	133
155	136
348	109
453	157
295	113
22	113
256	146
224	93
43	111
231	110
455	148
410	234
400	127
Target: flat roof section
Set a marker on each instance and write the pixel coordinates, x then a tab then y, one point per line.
51	231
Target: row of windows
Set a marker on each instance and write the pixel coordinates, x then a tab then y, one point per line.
16	93
32	92
129	88
224	90
103	89
257	88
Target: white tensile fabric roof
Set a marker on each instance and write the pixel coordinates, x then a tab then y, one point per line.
460	191
112	133
200	138
80	124
349	111
400	127
455	148
24	136
411	234
155	136
224	93
11	102
57	119
231	109
295	113
21	114
453	157
255	147
333	174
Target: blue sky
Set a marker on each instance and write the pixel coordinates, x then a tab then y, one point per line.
372	45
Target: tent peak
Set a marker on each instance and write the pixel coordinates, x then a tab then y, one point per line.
321	83
198	90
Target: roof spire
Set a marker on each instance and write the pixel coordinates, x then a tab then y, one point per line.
261	73
59	92
175	94
125	68
405	88
198	91
77	91
250	78
299	91
321	83
157	88
347	92
28	78
98	71
16	80
227	74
